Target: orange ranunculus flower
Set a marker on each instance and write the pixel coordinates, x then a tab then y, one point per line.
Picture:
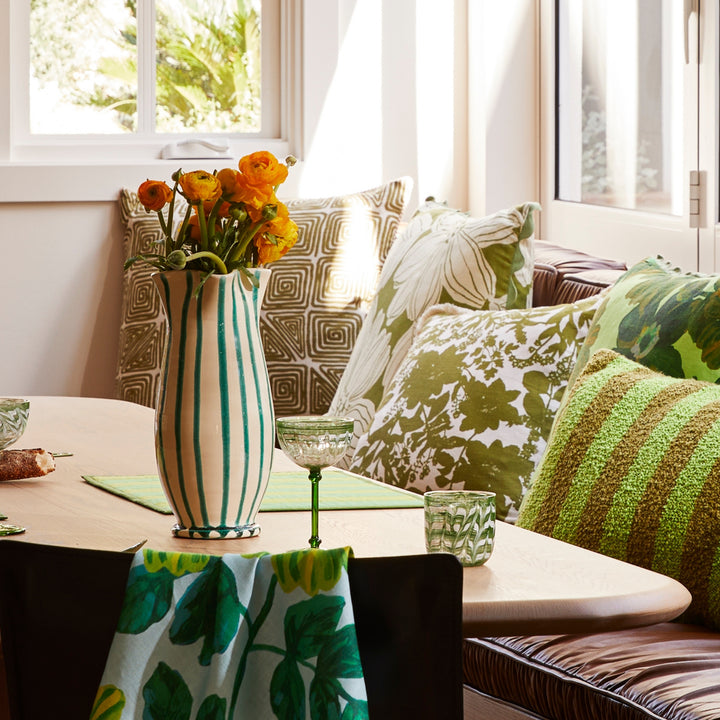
278	236
228	180
252	196
200	186
263	168
154	194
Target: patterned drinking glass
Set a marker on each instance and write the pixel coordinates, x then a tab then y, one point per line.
314	442
461	522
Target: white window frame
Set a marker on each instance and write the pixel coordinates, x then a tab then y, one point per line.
93	168
631	235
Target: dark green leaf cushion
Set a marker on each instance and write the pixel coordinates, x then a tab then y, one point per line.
443	256
472	404
632	470
663	318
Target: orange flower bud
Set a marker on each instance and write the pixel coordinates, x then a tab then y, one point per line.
263	168
154	194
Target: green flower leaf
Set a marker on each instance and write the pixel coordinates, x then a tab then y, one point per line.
147	599
166	695
356	710
287	691
109	703
339	657
213	708
309	623
324	699
209	609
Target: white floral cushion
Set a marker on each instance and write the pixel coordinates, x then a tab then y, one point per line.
472	404
443	256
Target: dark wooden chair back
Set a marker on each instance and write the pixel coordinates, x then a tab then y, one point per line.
59	608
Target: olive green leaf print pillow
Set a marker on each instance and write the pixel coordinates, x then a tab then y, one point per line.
443	256
472	404
663	318
632	470
205	637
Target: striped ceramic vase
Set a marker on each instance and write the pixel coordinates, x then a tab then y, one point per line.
214	424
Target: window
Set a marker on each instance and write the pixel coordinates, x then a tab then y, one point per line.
118	80
630	140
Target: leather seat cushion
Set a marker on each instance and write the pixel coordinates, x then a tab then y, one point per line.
564	275
668	670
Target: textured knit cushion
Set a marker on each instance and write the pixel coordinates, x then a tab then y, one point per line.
472	404
662	318
443	256
316	300
632	470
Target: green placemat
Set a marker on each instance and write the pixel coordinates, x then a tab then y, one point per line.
339	490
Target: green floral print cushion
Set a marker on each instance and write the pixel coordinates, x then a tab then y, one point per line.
205	637
443	256
632	470
663	318
472	404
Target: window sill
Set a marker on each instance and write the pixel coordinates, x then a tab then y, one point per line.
99	181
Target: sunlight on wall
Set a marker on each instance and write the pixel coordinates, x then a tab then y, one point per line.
438	104
395	104
344	152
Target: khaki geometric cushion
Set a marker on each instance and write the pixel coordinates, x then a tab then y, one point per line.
142	323
443	256
316	300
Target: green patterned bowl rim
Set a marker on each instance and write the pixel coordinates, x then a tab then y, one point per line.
312	423
13	403
453	494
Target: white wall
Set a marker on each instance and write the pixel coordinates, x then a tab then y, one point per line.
386	95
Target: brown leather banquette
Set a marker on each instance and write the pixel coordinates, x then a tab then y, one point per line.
668	670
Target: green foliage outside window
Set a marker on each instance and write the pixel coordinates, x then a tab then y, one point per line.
207	60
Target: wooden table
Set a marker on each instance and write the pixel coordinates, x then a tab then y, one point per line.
531	584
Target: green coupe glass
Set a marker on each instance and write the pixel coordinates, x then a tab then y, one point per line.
314	442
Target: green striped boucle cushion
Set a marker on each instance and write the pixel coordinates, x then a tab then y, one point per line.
632	470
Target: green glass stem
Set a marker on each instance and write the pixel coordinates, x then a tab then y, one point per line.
315	477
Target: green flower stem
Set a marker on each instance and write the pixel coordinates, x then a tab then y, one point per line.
164	228
203	228
219	264
253	630
180	240
238	250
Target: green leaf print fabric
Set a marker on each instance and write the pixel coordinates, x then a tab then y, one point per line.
443	256
662	318
472	405
204	637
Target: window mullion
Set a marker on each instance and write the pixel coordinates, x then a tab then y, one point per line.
146	67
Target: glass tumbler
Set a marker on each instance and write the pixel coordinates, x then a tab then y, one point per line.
461	522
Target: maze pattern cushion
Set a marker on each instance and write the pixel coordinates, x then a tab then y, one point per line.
663	318
443	256
314	305
142	322
472	404
320	292
632	470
